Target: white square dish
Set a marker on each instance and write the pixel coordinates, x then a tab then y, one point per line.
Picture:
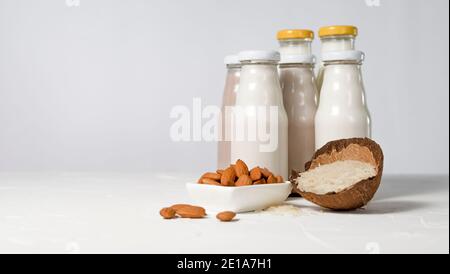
238	199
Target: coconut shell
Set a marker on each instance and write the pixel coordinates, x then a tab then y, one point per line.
360	149
292	178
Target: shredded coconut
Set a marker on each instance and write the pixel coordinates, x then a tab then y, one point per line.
283	210
335	177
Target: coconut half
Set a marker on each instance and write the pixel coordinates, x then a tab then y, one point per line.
343	175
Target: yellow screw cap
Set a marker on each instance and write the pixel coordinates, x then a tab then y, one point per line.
338	31
295	34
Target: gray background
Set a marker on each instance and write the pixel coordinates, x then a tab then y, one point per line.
90	88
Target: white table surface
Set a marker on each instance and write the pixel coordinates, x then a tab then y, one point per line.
118	213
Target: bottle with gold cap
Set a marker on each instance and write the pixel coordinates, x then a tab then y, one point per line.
299	89
335	38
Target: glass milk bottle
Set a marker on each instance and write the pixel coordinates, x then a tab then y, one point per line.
300	97
228	100
335	38
342	111
259	118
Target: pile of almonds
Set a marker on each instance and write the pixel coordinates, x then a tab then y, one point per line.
239	175
192	212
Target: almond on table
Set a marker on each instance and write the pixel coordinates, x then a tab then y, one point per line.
183	211
178	206
226	216
192	212
167	213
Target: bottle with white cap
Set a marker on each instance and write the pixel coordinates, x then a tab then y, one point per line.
342	111
232	79
335	38
299	94
260	121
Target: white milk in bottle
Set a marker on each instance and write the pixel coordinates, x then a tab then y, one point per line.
259	120
335	38
342	111
229	99
299	94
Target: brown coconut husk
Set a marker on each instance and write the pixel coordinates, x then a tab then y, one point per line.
358	195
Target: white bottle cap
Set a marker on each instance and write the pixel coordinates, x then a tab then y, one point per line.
350	55
259	55
298	59
232	59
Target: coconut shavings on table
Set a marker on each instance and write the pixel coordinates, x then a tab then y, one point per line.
282	210
289	210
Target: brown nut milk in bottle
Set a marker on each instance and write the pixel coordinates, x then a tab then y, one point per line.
299	94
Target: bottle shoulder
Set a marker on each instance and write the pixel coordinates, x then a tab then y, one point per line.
337	112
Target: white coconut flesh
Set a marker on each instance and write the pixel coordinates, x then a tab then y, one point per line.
335	177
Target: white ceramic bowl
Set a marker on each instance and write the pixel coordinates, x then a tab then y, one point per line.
238	199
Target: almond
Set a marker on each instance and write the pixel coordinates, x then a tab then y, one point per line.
220	171
255	174
190	211
167	213
208	181
271	180
226	216
241	168
266	173
280	179
228	177
244	180
261	181
211	175
178	206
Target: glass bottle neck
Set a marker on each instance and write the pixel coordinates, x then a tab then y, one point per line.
343	62
295	47
261	67
304	66
234	67
337	43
